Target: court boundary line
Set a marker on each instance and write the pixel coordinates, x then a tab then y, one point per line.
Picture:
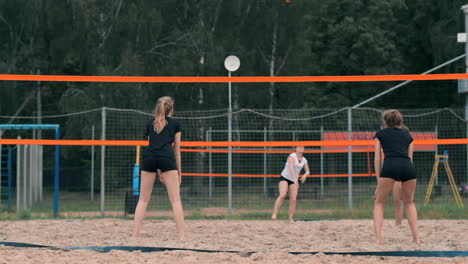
106	249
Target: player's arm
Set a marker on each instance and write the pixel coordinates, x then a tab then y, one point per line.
307	172
177	155
377	157
410	151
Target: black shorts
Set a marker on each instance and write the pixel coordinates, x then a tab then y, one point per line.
399	169
286	180
152	164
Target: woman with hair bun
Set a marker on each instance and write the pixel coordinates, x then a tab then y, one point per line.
397	145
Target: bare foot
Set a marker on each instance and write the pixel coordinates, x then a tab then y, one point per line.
418	241
378	241
291	220
273	217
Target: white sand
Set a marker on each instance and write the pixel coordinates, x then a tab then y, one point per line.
272	239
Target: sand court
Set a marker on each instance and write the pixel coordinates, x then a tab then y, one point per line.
271	240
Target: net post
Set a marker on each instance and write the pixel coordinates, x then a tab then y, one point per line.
1	167
350	160
92	165
57	173
321	163
31	176
265	163
18	176
41	174
10	176
34	181
210	168
103	156
437	149
25	175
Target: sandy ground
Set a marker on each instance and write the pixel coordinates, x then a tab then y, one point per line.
271	239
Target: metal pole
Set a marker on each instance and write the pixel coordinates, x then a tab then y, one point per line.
1	154
321	163
265	163
92	164
39	106
36	181
41	171
18	177
229	151
31	176
10	176
350	161
103	156
34	158
36	187
36	173
57	174
465	11
25	176
210	168
231	63
437	153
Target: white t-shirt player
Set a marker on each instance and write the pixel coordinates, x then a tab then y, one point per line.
289	181
298	165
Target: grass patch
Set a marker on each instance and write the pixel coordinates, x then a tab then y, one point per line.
248	204
425	212
24	214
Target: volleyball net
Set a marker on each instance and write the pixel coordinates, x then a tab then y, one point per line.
98	151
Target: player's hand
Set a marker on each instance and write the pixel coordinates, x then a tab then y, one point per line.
303	180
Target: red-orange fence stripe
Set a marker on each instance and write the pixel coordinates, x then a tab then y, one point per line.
453	141
243	79
272	151
68	142
274	175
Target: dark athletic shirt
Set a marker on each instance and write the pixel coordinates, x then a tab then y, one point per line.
160	145
394	141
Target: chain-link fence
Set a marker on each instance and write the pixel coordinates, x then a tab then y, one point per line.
96	179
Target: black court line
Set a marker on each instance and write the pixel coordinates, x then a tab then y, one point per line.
17	244
105	249
316	220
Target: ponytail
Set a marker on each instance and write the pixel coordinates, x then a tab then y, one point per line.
160	120
164	107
